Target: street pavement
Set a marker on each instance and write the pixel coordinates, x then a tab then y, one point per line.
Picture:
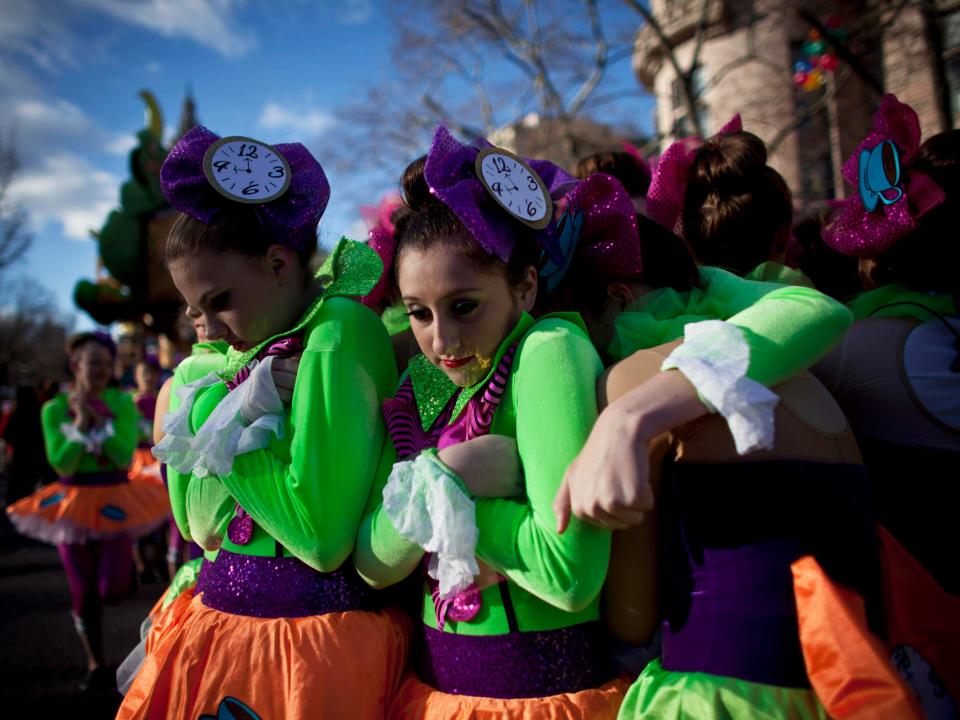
41	660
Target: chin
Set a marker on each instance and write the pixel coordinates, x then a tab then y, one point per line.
466	377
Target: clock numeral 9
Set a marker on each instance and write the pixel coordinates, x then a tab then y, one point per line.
221	165
497	188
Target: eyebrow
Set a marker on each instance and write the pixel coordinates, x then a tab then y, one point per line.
414	298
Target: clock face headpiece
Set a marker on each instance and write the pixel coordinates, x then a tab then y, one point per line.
205	175
495	194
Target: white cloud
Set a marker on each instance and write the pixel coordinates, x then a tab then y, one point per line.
153	67
354	12
302	124
66	189
121	145
211	23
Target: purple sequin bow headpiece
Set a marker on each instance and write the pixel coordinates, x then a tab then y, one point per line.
668	185
383	241
607	242
906	194
451	175
291	219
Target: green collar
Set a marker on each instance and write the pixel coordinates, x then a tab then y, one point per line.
866	304
433	389
350	270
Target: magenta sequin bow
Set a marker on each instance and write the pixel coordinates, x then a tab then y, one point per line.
383	241
906	194
291	218
609	242
450	172
668	185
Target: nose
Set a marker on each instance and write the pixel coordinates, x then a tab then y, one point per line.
446	339
215	330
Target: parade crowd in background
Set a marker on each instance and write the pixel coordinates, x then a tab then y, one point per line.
635	439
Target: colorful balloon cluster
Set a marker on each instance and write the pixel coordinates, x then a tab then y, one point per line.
810	72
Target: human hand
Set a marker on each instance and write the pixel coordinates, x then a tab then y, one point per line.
489	466
608	483
284	373
77	402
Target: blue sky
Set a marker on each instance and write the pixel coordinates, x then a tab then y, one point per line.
70	71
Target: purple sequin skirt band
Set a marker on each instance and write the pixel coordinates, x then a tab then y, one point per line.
107	477
515	665
272	587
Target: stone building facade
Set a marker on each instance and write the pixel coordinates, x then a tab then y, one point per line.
744	53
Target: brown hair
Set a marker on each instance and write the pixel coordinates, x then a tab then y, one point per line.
428	222
237	229
928	259
667	262
625	167
735	205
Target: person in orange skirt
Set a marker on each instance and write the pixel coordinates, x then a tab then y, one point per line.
509	608
92	513
145	466
281	625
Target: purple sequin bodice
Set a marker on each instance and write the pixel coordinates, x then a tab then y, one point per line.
274	587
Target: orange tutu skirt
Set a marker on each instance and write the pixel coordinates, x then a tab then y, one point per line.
58	513
337	665
416	699
145	468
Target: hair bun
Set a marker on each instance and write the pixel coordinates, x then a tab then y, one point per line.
414	188
729	165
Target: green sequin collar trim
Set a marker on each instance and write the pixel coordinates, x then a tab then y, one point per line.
351	269
433	389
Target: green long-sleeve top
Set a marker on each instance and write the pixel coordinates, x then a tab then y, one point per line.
549	407
787	328
68	457
307	489
201	510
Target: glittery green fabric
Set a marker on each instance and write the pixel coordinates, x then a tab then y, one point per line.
352	269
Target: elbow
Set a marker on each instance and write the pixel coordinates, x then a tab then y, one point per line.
324	557
580	595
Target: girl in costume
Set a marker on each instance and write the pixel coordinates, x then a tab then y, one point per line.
897	377
205	358
732	634
145	466
92	513
733	209
280	625
510	609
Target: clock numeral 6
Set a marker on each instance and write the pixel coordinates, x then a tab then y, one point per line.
531	209
252	188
